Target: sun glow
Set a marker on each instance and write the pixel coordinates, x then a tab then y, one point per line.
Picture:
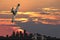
22	19
17	29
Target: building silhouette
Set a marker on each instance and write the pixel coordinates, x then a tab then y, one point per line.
25	36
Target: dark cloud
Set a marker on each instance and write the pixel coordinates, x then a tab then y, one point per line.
46	29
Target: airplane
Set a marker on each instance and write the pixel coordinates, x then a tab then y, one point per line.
14	12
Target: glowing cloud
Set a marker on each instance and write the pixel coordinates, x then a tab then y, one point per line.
51	9
22	19
37	17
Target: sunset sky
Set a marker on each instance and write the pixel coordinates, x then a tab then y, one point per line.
29	5
43	12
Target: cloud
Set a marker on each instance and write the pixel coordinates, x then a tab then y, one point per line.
47	29
51	9
7	27
34	16
36	21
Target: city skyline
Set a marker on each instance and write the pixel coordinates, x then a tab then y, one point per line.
43	12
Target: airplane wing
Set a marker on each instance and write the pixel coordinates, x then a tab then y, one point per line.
17	8
12	9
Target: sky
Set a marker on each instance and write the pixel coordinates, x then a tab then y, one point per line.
29	5
44	14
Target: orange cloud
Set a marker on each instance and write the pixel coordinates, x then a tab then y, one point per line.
7	27
37	17
22	19
50	9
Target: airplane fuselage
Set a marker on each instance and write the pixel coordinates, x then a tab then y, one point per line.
14	12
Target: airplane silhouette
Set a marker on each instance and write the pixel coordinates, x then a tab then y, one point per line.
14	12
